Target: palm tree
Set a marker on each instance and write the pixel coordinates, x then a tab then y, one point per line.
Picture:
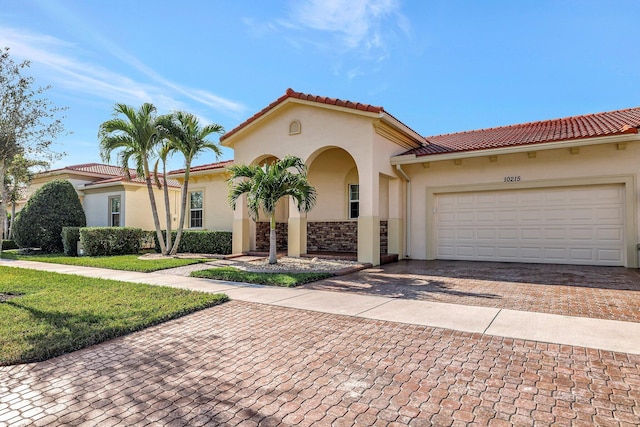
266	185
134	136
189	137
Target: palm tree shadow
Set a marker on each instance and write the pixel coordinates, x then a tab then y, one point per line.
420	289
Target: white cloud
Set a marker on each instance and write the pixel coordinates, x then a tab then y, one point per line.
357	24
92	79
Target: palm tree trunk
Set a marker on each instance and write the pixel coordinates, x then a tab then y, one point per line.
273	259
167	205
183	208
154	208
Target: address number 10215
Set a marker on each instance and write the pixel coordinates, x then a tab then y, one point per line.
511	178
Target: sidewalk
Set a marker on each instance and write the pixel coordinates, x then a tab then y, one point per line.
576	331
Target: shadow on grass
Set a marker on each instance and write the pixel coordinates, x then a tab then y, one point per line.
65	332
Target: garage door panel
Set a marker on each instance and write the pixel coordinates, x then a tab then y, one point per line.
486	234
609	234
581	234
610	213
609	255
570	225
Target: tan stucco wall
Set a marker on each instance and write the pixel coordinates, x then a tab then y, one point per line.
591	165
218	215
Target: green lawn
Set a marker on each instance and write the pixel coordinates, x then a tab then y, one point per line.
273	279
45	314
117	262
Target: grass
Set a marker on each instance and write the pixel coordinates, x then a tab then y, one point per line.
272	279
44	314
117	262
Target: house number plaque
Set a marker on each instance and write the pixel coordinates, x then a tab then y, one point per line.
512	178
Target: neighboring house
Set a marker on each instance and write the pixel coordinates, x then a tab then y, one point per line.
556	191
109	198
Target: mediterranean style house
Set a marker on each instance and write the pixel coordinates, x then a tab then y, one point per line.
556	191
108	197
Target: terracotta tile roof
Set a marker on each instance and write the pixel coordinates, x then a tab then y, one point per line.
208	166
290	93
134	178
587	126
93	168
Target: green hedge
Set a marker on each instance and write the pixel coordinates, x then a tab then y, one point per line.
70	239
202	242
99	241
8	244
53	206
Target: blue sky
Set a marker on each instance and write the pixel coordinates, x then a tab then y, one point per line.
440	66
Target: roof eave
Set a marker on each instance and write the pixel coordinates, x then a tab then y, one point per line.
124	183
65	171
180	174
581	142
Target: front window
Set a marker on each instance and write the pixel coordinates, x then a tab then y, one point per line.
114	211
354	201
195	209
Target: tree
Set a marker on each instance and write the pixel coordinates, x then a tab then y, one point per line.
189	137
134	136
53	206
29	122
18	176
266	185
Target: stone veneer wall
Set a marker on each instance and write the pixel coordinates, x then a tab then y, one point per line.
262	236
322	236
332	236
384	237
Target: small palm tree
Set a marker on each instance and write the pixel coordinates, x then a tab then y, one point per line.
266	185
187	136
134	136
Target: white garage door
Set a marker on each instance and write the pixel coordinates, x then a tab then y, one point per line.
568	225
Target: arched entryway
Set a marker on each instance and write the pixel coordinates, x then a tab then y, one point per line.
332	226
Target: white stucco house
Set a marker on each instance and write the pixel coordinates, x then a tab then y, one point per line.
108	197
554	191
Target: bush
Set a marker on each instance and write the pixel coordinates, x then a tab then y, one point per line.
70	239
148	240
53	206
99	241
201	242
8	244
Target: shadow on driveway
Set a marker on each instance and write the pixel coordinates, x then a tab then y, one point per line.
585	291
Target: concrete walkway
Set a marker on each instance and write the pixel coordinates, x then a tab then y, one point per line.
601	334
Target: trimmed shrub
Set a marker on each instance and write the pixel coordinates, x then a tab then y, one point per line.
148	240
201	242
70	239
8	244
53	206
104	241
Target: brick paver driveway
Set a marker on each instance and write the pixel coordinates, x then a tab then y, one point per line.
250	364
598	292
